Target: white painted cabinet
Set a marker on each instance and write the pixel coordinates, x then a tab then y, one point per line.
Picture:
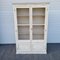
31	22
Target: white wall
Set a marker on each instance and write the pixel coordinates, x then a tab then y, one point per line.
7	22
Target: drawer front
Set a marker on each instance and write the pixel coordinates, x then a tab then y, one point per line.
24	46
38	47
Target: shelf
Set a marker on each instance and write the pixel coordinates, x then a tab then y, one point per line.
32	24
38	15
22	16
23	34
22	24
39	24
37	34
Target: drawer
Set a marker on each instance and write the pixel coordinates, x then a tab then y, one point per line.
38	46
24	46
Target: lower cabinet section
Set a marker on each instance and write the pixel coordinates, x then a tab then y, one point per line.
31	48
24	46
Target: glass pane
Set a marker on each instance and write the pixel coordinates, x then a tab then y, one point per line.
38	23
23	11
38	15
38	32
23	33
38	36
23	15
23	23
38	20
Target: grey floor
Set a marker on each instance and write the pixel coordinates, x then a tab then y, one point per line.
7	52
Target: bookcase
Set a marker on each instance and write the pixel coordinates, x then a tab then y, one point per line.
31	25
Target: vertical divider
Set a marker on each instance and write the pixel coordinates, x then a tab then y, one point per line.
30	20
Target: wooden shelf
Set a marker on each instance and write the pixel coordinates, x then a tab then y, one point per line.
22	24
38	15
32	24
23	34
38	24
37	34
23	16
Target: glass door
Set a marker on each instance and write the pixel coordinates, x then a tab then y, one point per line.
38	23
23	23
23	27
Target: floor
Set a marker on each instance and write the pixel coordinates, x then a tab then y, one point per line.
7	52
